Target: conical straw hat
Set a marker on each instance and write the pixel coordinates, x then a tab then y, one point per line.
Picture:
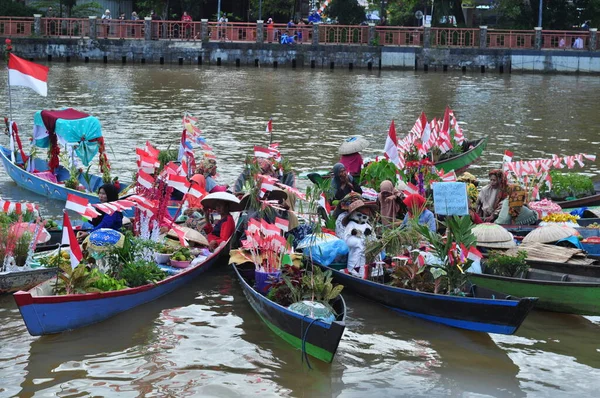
493	235
212	199
549	233
353	145
191	235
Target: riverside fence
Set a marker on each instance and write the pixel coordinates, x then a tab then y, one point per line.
318	34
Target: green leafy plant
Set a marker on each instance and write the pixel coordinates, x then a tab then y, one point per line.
22	248
319	286
568	185
56	260
166	156
141	272
376	172
394	241
499	263
105	282
75	281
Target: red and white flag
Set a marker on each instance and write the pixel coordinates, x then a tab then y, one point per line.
391	145
81	206
260	152
324	203
68	238
28	74
282	224
151	150
269	128
179	183
447	177
411	188
507	158
474	254
145	179
269	229
196	192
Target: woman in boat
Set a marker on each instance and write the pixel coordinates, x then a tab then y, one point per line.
491	196
342	183
513	209
222	230
208	168
415	207
106	193
350	154
472	195
267	168
390	203
194	210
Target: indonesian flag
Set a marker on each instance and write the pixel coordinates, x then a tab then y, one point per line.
179	183
151	150
195	191
269	128
391	145
80	205
474	254
282	224
28	74
508	155
447	177
260	152
269	229
253	226
145	179
446	122
419	126
68	238
411	188
324	203
458	133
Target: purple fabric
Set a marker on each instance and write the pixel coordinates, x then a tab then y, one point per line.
352	163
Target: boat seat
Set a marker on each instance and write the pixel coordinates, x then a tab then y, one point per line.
542	275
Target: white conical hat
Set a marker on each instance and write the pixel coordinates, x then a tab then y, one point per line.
352	145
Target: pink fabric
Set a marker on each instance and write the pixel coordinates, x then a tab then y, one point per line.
46	175
352	163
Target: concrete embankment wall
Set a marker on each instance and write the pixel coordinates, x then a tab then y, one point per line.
309	56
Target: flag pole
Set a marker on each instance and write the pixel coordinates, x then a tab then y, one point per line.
10	131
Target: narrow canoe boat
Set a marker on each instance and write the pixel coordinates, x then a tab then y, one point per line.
11	282
49	189
320	339
457	163
44	313
557	291
487	311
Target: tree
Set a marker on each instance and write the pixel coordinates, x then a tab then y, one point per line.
280	10
347	12
14	9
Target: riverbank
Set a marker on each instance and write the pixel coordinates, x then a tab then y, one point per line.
344	57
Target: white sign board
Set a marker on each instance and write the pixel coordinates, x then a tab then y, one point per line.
427	19
450	198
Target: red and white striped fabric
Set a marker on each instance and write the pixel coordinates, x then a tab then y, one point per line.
269	229
81	206
153	152
447	177
144	204
69	238
28	74
508	155
391	145
145	179
261	152
282	224
293	190
195	191
178	182
411	188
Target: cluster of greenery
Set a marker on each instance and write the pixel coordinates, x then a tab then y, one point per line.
502	264
376	172
297	284
568	185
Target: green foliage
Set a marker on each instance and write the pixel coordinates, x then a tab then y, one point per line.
568	185
319	286
17	9
84	10
347	12
133	248
502	264
141	272
458	230
394	241
377	172
402	13
22	248
166	156
105	283
280	10
75	281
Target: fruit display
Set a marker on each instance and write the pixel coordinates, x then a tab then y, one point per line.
182	254
594	225
165	249
55	260
51	224
560	217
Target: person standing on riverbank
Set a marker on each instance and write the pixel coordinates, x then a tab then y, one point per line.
187	26
106	18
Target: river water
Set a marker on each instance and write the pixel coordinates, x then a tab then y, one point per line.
204	339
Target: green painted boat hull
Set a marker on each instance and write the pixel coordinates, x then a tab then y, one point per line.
568	297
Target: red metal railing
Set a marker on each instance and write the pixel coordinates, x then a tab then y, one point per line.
328	34
343	34
16	26
454	37
510	39
565	40
399	36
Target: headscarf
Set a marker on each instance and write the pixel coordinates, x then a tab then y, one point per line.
200	184
206	166
335	181
388	206
266	167
414	202
516	199
345	203
112	194
502	186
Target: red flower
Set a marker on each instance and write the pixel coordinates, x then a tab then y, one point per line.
8	42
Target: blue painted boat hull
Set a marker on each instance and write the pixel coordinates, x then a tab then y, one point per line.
55	314
40	186
488	311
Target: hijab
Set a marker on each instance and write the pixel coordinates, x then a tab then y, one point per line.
388	206
112	194
335	181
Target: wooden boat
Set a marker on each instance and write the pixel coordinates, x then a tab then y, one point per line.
557	291
457	163
320	339
45	313
586	201
11	282
485	311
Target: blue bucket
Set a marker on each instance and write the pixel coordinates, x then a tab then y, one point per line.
262	280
